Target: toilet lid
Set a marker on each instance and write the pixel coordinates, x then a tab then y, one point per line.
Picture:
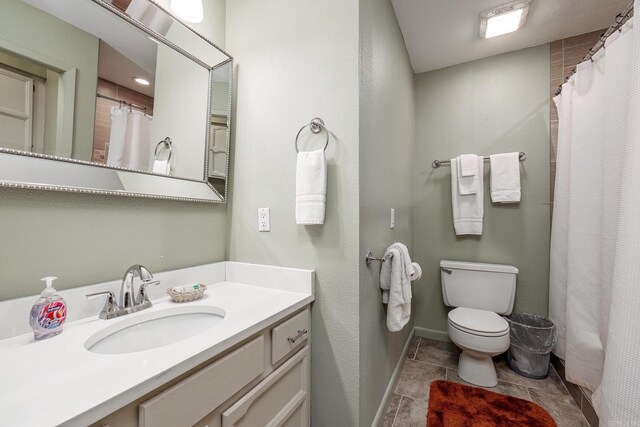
478	322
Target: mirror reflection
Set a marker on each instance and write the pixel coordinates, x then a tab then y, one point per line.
81	83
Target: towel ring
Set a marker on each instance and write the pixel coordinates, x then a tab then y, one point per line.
167	145
316	125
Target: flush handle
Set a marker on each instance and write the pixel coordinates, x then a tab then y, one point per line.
446	270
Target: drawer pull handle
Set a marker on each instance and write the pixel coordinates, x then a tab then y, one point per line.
297	337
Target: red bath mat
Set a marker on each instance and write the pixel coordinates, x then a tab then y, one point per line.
457	405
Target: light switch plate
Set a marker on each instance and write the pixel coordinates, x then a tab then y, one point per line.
393	219
264	219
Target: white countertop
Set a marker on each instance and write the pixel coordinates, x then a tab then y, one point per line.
57	381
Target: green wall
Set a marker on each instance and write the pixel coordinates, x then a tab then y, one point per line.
494	105
84	239
289	71
387	111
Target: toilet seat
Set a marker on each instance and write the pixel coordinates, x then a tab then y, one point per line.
478	322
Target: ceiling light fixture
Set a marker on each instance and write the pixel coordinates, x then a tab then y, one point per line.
504	19
140	80
189	10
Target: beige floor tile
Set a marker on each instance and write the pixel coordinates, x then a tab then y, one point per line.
390	416
503	387
411	413
416	378
562	408
552	384
413	347
438	352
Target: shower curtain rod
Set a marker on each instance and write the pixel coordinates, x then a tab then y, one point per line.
120	101
621	18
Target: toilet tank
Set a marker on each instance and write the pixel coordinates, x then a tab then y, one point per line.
490	287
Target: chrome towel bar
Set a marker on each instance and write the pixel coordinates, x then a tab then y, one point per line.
369	258
437	163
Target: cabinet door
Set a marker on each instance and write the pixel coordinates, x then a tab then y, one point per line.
281	399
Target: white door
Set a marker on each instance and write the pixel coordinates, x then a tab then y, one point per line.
16	99
218	151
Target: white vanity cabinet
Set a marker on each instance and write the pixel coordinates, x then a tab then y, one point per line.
263	381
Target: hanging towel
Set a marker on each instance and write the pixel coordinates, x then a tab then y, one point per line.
396	289
468	165
409	266
467	184
468	210
161	166
311	187
505	178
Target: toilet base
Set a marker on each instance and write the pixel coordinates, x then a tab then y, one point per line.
477	370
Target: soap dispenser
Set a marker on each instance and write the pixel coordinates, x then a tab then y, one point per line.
48	313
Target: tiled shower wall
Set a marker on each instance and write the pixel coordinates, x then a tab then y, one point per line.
565	55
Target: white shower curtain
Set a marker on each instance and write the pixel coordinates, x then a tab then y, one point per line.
595	240
129	144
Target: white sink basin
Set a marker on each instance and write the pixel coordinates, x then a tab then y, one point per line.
146	331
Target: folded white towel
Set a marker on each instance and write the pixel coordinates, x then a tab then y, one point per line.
505	178
468	210
161	166
311	187
468	165
466	184
396	289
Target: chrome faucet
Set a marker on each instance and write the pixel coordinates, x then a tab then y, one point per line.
126	288
127	303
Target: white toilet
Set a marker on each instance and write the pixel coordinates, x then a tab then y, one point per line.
480	293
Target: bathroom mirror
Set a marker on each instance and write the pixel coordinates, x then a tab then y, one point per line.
112	96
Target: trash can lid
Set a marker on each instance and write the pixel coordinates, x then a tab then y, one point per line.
480	322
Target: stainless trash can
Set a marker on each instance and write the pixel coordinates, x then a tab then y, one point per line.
532	339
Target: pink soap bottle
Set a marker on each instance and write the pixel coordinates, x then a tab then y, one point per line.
48	313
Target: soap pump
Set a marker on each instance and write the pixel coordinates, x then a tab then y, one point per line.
48	313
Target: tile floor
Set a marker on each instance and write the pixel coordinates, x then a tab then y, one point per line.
429	360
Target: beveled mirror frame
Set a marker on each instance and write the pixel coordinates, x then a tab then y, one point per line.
194	190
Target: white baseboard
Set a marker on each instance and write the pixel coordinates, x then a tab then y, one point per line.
431	333
388	393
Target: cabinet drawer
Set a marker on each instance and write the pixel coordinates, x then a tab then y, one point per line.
281	399
289	335
191	399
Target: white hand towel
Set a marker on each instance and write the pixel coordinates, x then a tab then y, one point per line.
466	184
468	210
468	165
396	289
408	265
161	166
311	187
505	178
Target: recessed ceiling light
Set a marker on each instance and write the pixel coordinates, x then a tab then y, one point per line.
504	19
141	81
189	10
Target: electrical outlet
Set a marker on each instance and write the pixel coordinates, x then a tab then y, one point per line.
393	219
264	219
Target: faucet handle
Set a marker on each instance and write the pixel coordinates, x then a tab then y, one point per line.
142	296
110	305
